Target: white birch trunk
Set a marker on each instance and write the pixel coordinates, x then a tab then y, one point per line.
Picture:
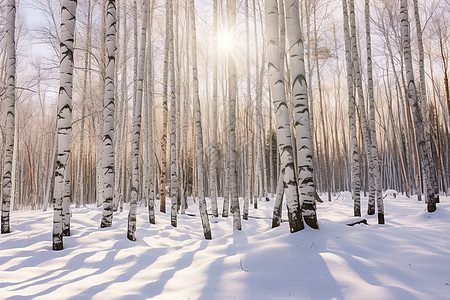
362	110
151	183
131	234
173	125
64	122
165	113
198	125
301	114
235	209
423	99
284	140
213	176
249	193
354	150
108	118
10	100
372	128
432	195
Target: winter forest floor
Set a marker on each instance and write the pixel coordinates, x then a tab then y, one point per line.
408	258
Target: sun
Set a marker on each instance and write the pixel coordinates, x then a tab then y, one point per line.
225	41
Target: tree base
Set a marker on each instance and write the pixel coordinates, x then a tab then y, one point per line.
58	246
312	222
380	218
208	235
431	206
131	236
105	224
66	232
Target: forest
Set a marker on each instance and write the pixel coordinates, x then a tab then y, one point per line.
150	111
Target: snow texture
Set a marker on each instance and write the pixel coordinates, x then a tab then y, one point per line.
408	258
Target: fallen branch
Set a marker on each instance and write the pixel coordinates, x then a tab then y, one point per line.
363	221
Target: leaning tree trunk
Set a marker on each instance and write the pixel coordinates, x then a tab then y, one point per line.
432	195
198	125
301	114
131	234
373	132
276	82
235	209
10	100
423	99
64	121
108	118
354	151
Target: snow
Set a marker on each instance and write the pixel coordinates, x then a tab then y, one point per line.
408	258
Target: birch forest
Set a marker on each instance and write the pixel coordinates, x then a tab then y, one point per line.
224	105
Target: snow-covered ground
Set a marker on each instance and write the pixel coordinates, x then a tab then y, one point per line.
408	258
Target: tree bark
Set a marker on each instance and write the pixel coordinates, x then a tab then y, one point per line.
108	118
10	100
276	82
64	124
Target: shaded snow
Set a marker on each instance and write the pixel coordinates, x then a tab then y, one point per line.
408	258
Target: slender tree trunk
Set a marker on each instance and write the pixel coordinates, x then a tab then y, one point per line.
354	150
79	189
301	114
432	196
362	110
235	209
108	117
276	82
162	207
10	101
198	125
423	99
213	176
64	122
373	132
173	125
131	234
149	77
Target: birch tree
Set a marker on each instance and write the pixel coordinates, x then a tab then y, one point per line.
131	234
432	195
232	77
165	110
64	122
361	105
198	125
276	82
301	114
213	189
173	124
108	117
249	191
354	151
151	192
373	133
10	100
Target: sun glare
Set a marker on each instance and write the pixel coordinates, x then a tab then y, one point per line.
225	41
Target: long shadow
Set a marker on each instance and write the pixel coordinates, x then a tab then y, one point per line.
213	287
156	288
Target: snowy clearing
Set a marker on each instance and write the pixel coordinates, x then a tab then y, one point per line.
408	258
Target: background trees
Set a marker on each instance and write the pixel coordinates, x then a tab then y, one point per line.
337	143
